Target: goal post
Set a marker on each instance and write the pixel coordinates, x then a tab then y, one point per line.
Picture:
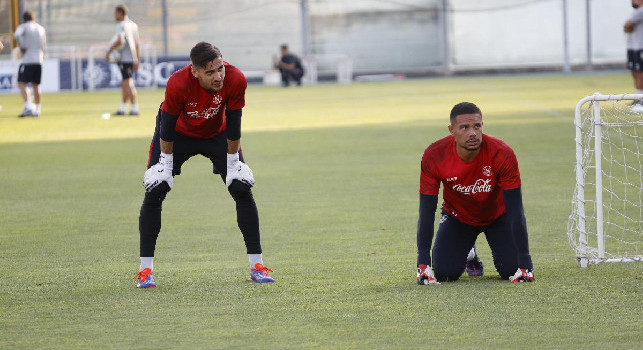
605	223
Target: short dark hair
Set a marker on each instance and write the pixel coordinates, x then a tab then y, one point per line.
27	16
464	108
122	9
284	46
202	53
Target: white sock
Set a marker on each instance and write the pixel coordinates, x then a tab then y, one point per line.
134	107
254	259
27	104
123	106
38	108
147	262
472	253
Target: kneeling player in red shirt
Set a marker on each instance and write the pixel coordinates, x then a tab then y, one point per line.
201	114
481	192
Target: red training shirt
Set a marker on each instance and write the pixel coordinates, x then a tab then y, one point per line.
202	113
472	191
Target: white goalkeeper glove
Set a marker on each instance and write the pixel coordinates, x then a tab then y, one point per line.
159	172
237	170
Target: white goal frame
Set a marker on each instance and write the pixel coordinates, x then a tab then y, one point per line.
582	248
343	67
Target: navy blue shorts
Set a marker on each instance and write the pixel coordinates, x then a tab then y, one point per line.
127	69
454	240
30	73
635	60
185	147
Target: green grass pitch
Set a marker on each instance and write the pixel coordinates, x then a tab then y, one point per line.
337	169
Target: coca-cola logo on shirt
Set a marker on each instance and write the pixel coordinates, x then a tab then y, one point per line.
481	185
209	112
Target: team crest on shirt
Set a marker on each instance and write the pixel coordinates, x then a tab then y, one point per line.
486	171
217	99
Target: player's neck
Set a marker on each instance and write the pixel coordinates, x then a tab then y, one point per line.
466	155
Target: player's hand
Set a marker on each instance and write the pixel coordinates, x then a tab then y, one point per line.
159	172
136	66
237	170
629	27
107	55
426	276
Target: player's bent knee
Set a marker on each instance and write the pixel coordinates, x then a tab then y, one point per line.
157	194
506	270
239	190
506	273
447	274
448	278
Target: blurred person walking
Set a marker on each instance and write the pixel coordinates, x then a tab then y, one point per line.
634	29
32	39
124	51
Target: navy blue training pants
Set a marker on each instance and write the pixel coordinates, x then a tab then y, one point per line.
454	241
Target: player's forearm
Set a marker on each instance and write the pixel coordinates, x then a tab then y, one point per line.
288	66
516	215
116	44
428	206
167	133
234	146
167	147
233	130
514	208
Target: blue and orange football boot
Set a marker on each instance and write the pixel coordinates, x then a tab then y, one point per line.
259	274
145	279
475	267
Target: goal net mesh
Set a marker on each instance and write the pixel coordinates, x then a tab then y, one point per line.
620	172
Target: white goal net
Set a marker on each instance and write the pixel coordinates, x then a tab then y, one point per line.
605	223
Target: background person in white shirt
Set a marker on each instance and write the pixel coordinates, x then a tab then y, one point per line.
634	29
1	47
124	49
32	40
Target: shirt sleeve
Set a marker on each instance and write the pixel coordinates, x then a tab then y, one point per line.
175	97
43	38
637	16
237	99
120	28
508	173
18	34
137	38
429	179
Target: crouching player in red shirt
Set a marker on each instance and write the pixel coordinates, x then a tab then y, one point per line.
201	114
481	192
